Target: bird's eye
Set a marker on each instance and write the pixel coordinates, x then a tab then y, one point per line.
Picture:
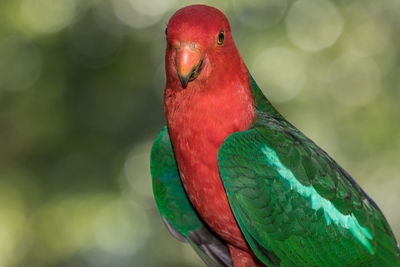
221	37
166	31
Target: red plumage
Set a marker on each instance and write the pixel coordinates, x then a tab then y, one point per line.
208	110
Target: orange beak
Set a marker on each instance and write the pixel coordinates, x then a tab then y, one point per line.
188	64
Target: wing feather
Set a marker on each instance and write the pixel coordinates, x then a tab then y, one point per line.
293	201
175	209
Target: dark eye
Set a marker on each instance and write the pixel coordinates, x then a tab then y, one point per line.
166	31
221	37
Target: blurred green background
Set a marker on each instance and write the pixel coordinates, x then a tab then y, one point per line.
81	87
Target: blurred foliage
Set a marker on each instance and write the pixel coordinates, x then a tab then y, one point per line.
81	87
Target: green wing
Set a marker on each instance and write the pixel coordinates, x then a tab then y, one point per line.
295	205
175	208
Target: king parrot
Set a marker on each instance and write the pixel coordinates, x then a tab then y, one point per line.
236	180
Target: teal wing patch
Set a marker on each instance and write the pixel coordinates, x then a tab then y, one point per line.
295	205
175	208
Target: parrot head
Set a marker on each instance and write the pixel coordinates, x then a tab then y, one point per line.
199	43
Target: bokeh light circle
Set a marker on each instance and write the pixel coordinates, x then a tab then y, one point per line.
20	64
313	24
280	73
354	80
259	13
47	16
141	13
122	228
370	37
136	171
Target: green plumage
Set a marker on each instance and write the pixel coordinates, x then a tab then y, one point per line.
175	208
170	196
294	204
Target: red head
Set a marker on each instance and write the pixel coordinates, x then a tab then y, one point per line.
200	48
